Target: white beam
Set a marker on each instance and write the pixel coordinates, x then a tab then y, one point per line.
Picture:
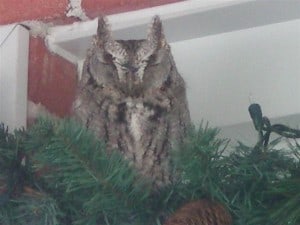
14	40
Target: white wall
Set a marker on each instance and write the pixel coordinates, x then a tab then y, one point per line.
14	41
226	72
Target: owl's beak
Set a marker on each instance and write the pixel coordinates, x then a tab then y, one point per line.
131	69
132	86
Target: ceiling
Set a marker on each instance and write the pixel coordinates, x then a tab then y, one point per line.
182	21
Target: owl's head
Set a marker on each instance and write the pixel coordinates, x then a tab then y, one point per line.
132	64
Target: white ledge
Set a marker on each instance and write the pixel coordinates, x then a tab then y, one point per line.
182	21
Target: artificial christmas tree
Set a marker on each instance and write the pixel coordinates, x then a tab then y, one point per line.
58	173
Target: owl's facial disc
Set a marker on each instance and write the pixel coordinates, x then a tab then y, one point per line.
129	71
131	58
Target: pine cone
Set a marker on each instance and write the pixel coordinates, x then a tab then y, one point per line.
202	212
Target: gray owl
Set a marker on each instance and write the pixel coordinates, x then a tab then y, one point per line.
132	96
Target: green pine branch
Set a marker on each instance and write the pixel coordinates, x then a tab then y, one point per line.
16	206
92	184
76	181
199	163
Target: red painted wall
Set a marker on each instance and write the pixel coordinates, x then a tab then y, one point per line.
52	80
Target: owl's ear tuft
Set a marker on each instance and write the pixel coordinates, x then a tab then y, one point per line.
105	40
156	35
103	31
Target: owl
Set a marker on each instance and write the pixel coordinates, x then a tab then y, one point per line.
132	97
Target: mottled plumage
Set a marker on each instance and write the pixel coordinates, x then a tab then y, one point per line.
132	96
